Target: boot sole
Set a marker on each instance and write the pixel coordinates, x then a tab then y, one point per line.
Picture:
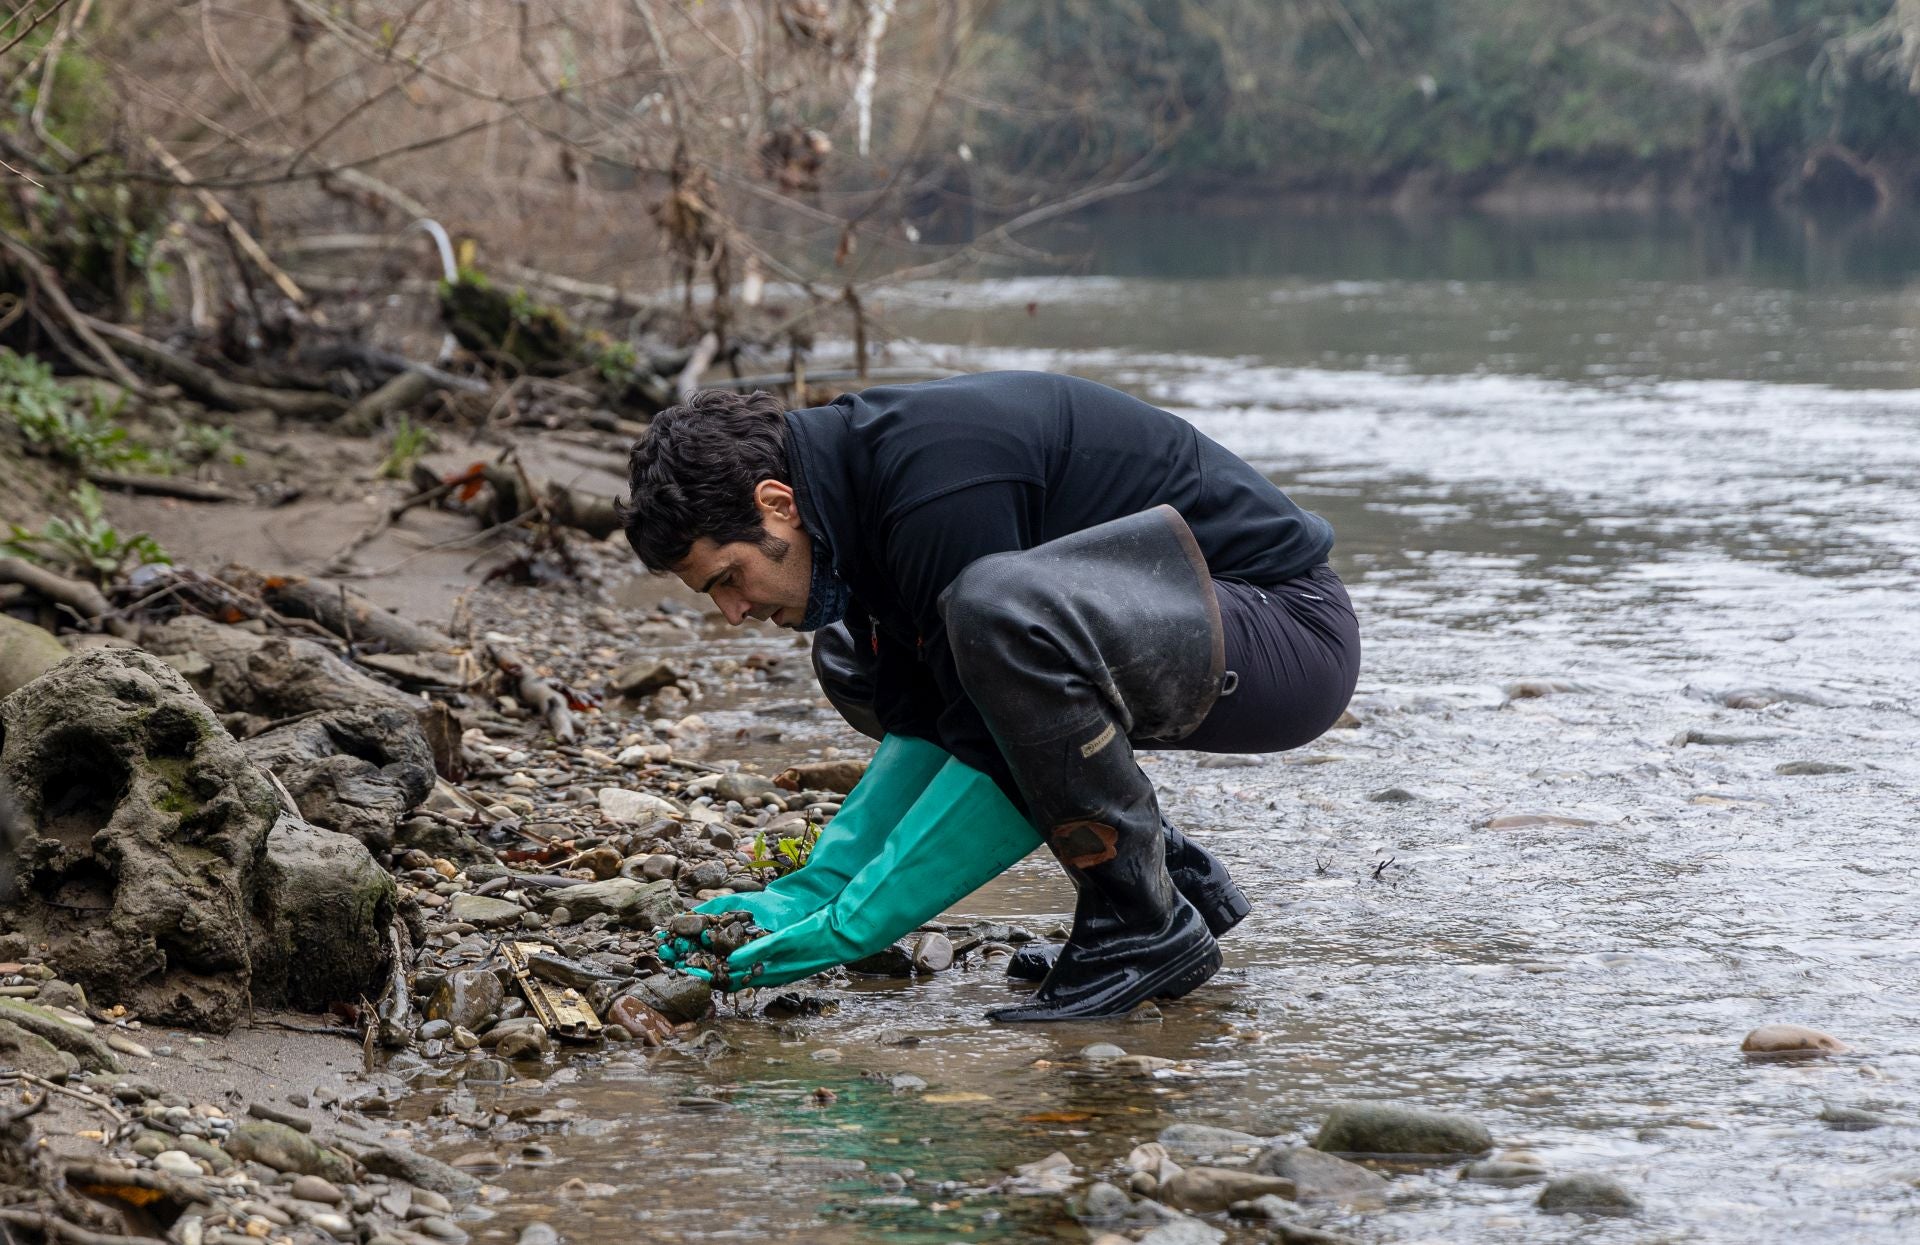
1227	907
1174	981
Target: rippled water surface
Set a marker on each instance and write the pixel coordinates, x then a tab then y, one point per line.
1654	476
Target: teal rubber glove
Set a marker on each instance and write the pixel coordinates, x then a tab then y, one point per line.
900	770
960	834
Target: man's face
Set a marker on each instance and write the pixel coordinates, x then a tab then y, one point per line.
768	580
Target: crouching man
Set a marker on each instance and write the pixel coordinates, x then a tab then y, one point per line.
1013	579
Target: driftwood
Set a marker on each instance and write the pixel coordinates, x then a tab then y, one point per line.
587	512
164	486
53	1228
533	691
87	602
218	212
84	326
346	614
210	387
398	394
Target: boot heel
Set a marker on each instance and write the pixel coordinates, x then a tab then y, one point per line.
1195	977
1226	908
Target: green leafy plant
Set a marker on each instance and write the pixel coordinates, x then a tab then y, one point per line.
205	443
788	853
409	442
55	420
84	542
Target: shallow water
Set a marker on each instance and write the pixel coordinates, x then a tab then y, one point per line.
1660	491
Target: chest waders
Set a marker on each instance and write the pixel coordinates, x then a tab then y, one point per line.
1073	650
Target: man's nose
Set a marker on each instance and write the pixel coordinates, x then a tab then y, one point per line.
732	605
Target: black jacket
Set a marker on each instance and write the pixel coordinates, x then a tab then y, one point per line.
908	484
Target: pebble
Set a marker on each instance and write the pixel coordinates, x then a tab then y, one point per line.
1195	1140
537	1233
1208	1189
1797	769
1101	1051
1183	1231
1104	1203
127	1046
1851	1119
1502	1171
314	1189
177	1163
1587	1193
619	804
1790	1041
1320	1177
1278	1213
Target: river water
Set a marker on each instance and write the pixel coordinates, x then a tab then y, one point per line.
1666	475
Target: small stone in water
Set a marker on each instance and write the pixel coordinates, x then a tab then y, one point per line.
1851	1119
1587	1193
1104	1203
1791	1041
1101	1050
1797	769
1502	1171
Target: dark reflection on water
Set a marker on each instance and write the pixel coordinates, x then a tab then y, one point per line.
1757	248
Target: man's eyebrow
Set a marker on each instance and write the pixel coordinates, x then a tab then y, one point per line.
718	575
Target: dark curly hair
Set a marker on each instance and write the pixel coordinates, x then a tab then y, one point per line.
694	473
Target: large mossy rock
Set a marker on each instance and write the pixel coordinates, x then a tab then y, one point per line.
322	911
143	858
1388	1128
266	676
354	771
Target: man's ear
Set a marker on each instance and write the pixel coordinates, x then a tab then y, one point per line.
776	499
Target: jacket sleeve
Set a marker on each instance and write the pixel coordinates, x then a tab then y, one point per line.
905	697
929	546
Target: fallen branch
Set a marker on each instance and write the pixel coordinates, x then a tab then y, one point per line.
85	601
349	615
83	325
533	691
98	1104
51	1226
164	486
211	387
218	211
394	1012
398	394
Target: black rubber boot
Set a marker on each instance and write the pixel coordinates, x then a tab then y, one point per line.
1072	650
1196	873
1135	938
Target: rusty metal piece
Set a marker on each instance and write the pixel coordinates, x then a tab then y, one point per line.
561	1009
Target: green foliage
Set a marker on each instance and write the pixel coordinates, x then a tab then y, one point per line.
84	542
205	443
615	361
408	442
56	422
787	854
1345	93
